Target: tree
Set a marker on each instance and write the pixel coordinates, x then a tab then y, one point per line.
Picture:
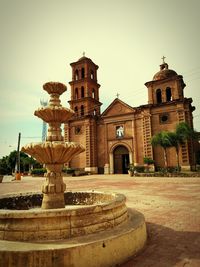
175	139
4	169
175	142
183	133
162	139
28	163
11	160
7	163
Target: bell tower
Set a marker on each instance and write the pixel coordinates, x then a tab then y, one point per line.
82	127
84	88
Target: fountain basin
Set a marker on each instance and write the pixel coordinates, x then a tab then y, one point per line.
111	247
85	213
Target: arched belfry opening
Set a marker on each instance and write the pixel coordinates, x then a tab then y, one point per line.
93	93
82	73
92	74
168	94
76	111
158	96
82	110
76	75
82	91
76	93
121	159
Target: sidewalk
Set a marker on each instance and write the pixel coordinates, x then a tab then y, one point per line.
171	207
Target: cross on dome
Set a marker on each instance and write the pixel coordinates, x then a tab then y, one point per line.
163	58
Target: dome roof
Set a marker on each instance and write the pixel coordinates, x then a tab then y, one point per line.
83	57
164	73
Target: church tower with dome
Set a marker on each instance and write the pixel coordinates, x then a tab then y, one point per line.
168	108
122	134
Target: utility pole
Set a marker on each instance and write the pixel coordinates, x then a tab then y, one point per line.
18	153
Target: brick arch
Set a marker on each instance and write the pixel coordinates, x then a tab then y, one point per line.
120	144
111	154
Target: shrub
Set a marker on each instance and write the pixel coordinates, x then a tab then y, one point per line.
131	167
148	161
68	170
40	171
139	168
161	169
172	169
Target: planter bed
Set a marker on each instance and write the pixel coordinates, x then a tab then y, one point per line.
159	174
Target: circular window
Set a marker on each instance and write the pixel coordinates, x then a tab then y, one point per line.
164	118
77	130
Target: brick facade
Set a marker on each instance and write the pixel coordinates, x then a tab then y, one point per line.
121	134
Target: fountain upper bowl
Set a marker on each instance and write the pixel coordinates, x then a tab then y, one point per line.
54	114
55	88
55	152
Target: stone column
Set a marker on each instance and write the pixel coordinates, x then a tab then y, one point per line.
106	169
111	163
54	188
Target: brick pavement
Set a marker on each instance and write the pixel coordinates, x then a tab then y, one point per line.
171	207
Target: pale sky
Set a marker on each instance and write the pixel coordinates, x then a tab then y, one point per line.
125	38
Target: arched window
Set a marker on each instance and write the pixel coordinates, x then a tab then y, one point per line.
76	93
92	74
82	91
168	94
82	73
158	96
95	112
76	111
93	93
82	110
76	75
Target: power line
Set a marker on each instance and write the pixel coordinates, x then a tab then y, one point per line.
194	79
191	70
30	137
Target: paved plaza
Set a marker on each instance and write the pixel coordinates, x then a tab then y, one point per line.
171	207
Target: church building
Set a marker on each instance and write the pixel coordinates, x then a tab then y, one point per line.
121	134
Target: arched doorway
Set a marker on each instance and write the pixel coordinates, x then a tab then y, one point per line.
121	159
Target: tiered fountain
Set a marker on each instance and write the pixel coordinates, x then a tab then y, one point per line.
79	229
54	152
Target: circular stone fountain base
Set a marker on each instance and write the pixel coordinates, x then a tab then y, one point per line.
94	229
108	248
84	213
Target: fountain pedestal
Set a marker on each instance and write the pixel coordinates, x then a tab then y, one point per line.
54	188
